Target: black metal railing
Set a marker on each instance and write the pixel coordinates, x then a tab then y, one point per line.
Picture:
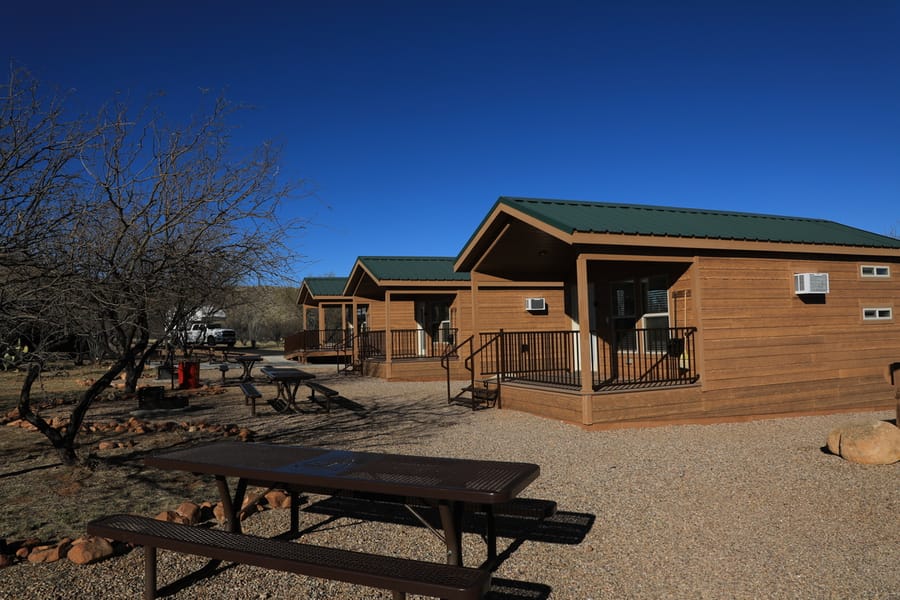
317	339
371	345
646	357
625	358
419	343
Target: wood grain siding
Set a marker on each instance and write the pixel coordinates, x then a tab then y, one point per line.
759	335
664	405
504	308
418	370
553	404
376	314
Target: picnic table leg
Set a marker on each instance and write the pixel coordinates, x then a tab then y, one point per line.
491	532
231	508
292	393
295	513
451	520
149	572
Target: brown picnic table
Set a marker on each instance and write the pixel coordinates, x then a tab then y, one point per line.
246	361
448	484
287	380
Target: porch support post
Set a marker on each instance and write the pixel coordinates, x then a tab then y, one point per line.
354	349
584	340
476	364
388	338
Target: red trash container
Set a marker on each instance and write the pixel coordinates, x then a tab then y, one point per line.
188	375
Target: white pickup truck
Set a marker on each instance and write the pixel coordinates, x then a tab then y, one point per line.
210	334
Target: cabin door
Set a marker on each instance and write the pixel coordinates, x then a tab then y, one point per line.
432	324
576	324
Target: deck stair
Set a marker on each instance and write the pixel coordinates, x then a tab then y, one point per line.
481	393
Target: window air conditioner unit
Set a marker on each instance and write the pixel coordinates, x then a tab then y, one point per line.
535	304
811	283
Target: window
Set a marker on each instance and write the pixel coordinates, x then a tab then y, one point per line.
877	314
875	271
642	304
624	314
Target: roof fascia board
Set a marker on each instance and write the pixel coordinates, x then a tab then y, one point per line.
547	285
355	280
514	213
491	246
598	239
413	283
475	238
637	257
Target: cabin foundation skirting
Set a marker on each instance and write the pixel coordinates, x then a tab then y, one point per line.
691	404
414	370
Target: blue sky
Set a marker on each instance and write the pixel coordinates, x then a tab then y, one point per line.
408	119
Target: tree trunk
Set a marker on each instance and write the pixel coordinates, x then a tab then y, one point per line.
64	442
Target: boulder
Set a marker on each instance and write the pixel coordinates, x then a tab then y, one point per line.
89	549
171	516
49	553
189	511
869	442
278	499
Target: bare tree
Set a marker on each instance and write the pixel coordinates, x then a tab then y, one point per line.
165	219
38	198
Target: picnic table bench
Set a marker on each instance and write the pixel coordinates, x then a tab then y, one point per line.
251	394
327	392
401	575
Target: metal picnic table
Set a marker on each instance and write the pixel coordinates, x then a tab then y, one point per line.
287	379
449	484
247	361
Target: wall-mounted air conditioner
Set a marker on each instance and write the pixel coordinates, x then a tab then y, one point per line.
811	283
535	304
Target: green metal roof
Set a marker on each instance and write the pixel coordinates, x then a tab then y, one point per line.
326	286
412	268
636	219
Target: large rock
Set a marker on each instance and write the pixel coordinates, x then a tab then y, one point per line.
189	511
89	549
867	442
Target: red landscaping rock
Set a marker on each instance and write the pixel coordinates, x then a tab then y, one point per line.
189	511
52	553
86	550
278	499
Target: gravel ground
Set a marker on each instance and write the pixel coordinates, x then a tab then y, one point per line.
744	510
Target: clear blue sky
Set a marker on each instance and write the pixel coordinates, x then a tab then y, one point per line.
409	119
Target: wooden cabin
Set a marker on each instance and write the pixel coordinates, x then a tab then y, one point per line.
616	314
410	309
328	321
658	314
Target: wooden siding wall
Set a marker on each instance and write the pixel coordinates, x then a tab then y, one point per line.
417	370
376	315
504	308
768	350
553	404
461	314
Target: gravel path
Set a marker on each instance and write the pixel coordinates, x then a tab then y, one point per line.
746	510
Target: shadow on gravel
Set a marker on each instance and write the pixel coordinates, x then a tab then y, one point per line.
508	589
533	520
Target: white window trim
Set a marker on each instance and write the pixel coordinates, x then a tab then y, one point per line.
874	271
877	313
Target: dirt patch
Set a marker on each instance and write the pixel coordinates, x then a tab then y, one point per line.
43	499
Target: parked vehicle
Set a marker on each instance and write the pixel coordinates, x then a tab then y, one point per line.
211	334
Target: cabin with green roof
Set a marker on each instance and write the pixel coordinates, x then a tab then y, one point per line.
409	310
659	314
609	314
327	320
